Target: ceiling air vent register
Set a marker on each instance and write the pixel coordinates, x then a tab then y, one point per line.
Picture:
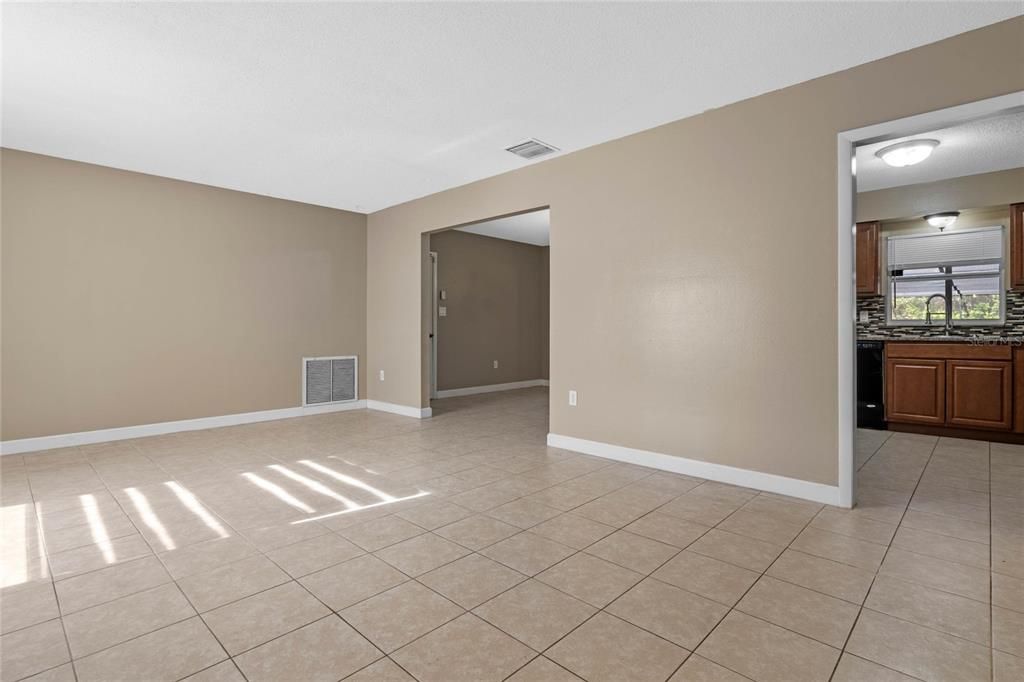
531	149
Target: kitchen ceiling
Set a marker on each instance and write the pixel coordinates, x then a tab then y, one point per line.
982	146
362	106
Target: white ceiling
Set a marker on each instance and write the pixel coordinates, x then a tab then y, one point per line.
982	146
361	106
529	228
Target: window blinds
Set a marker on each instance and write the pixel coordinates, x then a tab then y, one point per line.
946	248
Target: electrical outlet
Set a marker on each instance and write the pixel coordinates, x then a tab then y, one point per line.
863	316
382	375
572	398
495	364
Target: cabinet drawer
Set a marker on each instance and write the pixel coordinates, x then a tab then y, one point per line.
915	391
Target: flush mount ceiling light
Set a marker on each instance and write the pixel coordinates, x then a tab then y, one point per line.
907	153
942	220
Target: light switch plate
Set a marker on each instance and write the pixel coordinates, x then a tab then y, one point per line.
442	311
572	398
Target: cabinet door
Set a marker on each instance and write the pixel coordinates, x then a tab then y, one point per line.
867	258
979	394
1017	246
1018	390
915	391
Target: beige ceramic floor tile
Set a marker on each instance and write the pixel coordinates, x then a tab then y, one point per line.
232	582
634	552
325	650
471	580
697	669
422	553
573	530
535	614
269	538
1008	631
594	580
32	650
762	651
707	577
477	532
606	648
840	548
961	579
168	654
854	669
812	614
384	670
668	529
679	616
205	556
90	589
823	575
762	527
380	533
465	649
738	550
27	604
433	515
1008	592
523	513
117	621
1006	668
225	671
701	509
543	669
62	673
254	620
314	554
917	651
932	608
353	581
527	552
851	524
394	618
946	525
942	547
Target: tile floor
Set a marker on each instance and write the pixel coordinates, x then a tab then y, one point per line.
364	546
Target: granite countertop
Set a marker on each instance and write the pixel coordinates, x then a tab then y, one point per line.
977	338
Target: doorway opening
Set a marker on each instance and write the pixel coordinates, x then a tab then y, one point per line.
488	323
929	236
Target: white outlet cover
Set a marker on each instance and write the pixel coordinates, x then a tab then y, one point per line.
572	398
495	364
382	375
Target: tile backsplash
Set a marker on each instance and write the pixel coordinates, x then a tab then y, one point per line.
875	327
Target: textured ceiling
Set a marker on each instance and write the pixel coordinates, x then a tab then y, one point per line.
982	146
361	106
529	228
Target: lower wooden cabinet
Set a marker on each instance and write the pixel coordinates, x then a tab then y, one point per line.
979	394
915	391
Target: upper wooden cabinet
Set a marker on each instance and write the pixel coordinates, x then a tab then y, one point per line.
1017	246
867	258
979	394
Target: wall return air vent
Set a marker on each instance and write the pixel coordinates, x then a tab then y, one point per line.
531	149
330	380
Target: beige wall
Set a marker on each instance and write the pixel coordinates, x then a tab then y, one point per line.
687	329
967	192
131	299
495	290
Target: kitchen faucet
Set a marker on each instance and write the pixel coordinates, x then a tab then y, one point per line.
928	311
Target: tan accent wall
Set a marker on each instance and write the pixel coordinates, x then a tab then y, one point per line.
955	194
496	290
688	329
131	299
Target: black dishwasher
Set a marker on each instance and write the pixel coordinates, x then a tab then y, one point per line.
870	385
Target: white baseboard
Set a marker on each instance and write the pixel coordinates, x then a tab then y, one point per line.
404	410
15	447
793	487
490	388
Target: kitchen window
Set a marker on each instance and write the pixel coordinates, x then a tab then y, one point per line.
963	268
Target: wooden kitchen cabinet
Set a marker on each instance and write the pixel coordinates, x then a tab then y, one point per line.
915	391
979	394
1018	390
867	258
1017	246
